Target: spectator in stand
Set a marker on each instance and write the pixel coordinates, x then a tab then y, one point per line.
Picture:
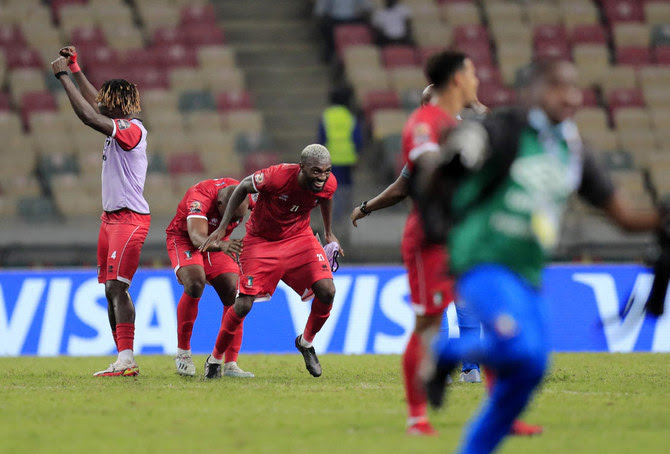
392	23
331	13
340	132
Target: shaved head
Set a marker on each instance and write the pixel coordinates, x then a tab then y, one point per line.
315	153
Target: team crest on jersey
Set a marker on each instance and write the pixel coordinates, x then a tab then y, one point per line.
196	207
122	124
188	254
259	177
421	133
250	281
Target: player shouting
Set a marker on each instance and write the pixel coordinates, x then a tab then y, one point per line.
279	244
198	215
125	219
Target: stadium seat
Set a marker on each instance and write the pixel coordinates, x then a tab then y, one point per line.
579	12
511	57
197	35
605	139
591	118
617	159
395	56
460	13
217	57
88	34
588	33
186	162
73	16
552	50
488	74
234	100
155	14
349	35
660	35
431	32
36	209
631	35
494	95
662	55
203	122
386	122
251	141
551	33
186	79
657	12
193	100
221	161
122	37
260	160
660	118
167	36
635	118
623	11
202	14
479	53
11	36
543	13
509	12
385	99
361	55
589	97
72	195
637	141
407	78
633	56
224	80
36	101
5	104
22	58
619	77
470	33
656	97
243	121
176	55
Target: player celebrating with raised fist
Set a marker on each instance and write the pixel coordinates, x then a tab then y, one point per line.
125	218
198	215
279	244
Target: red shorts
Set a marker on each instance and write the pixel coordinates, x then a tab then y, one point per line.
299	261
183	253
122	234
431	288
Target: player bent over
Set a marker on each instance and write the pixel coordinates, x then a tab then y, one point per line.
279	244
125	219
198	215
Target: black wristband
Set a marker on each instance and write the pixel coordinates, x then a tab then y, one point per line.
364	208
60	73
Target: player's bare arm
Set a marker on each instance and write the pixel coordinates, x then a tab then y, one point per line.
327	215
393	194
197	232
629	218
238	196
81	107
87	89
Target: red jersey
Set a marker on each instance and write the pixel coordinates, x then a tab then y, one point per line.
283	206
200	202
423	132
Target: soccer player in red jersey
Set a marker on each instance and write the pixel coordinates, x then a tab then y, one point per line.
454	86
279	244
198	215
125	218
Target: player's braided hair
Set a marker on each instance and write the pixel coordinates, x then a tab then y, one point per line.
121	94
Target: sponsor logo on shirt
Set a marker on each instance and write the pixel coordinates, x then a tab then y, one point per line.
250	281
122	124
196	207
259	177
214	221
188	255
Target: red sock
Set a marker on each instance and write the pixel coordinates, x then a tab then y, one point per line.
187	311
235	345
116	341
416	398
229	325
317	317
489	379
125	334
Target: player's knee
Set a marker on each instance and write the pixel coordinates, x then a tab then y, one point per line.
194	288
243	305
115	290
325	292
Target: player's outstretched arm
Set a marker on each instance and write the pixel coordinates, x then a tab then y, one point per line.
327	215
394	193
241	191
81	107
87	89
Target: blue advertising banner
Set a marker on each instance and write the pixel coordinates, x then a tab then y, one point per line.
64	312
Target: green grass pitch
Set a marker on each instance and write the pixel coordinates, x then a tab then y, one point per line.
590	403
